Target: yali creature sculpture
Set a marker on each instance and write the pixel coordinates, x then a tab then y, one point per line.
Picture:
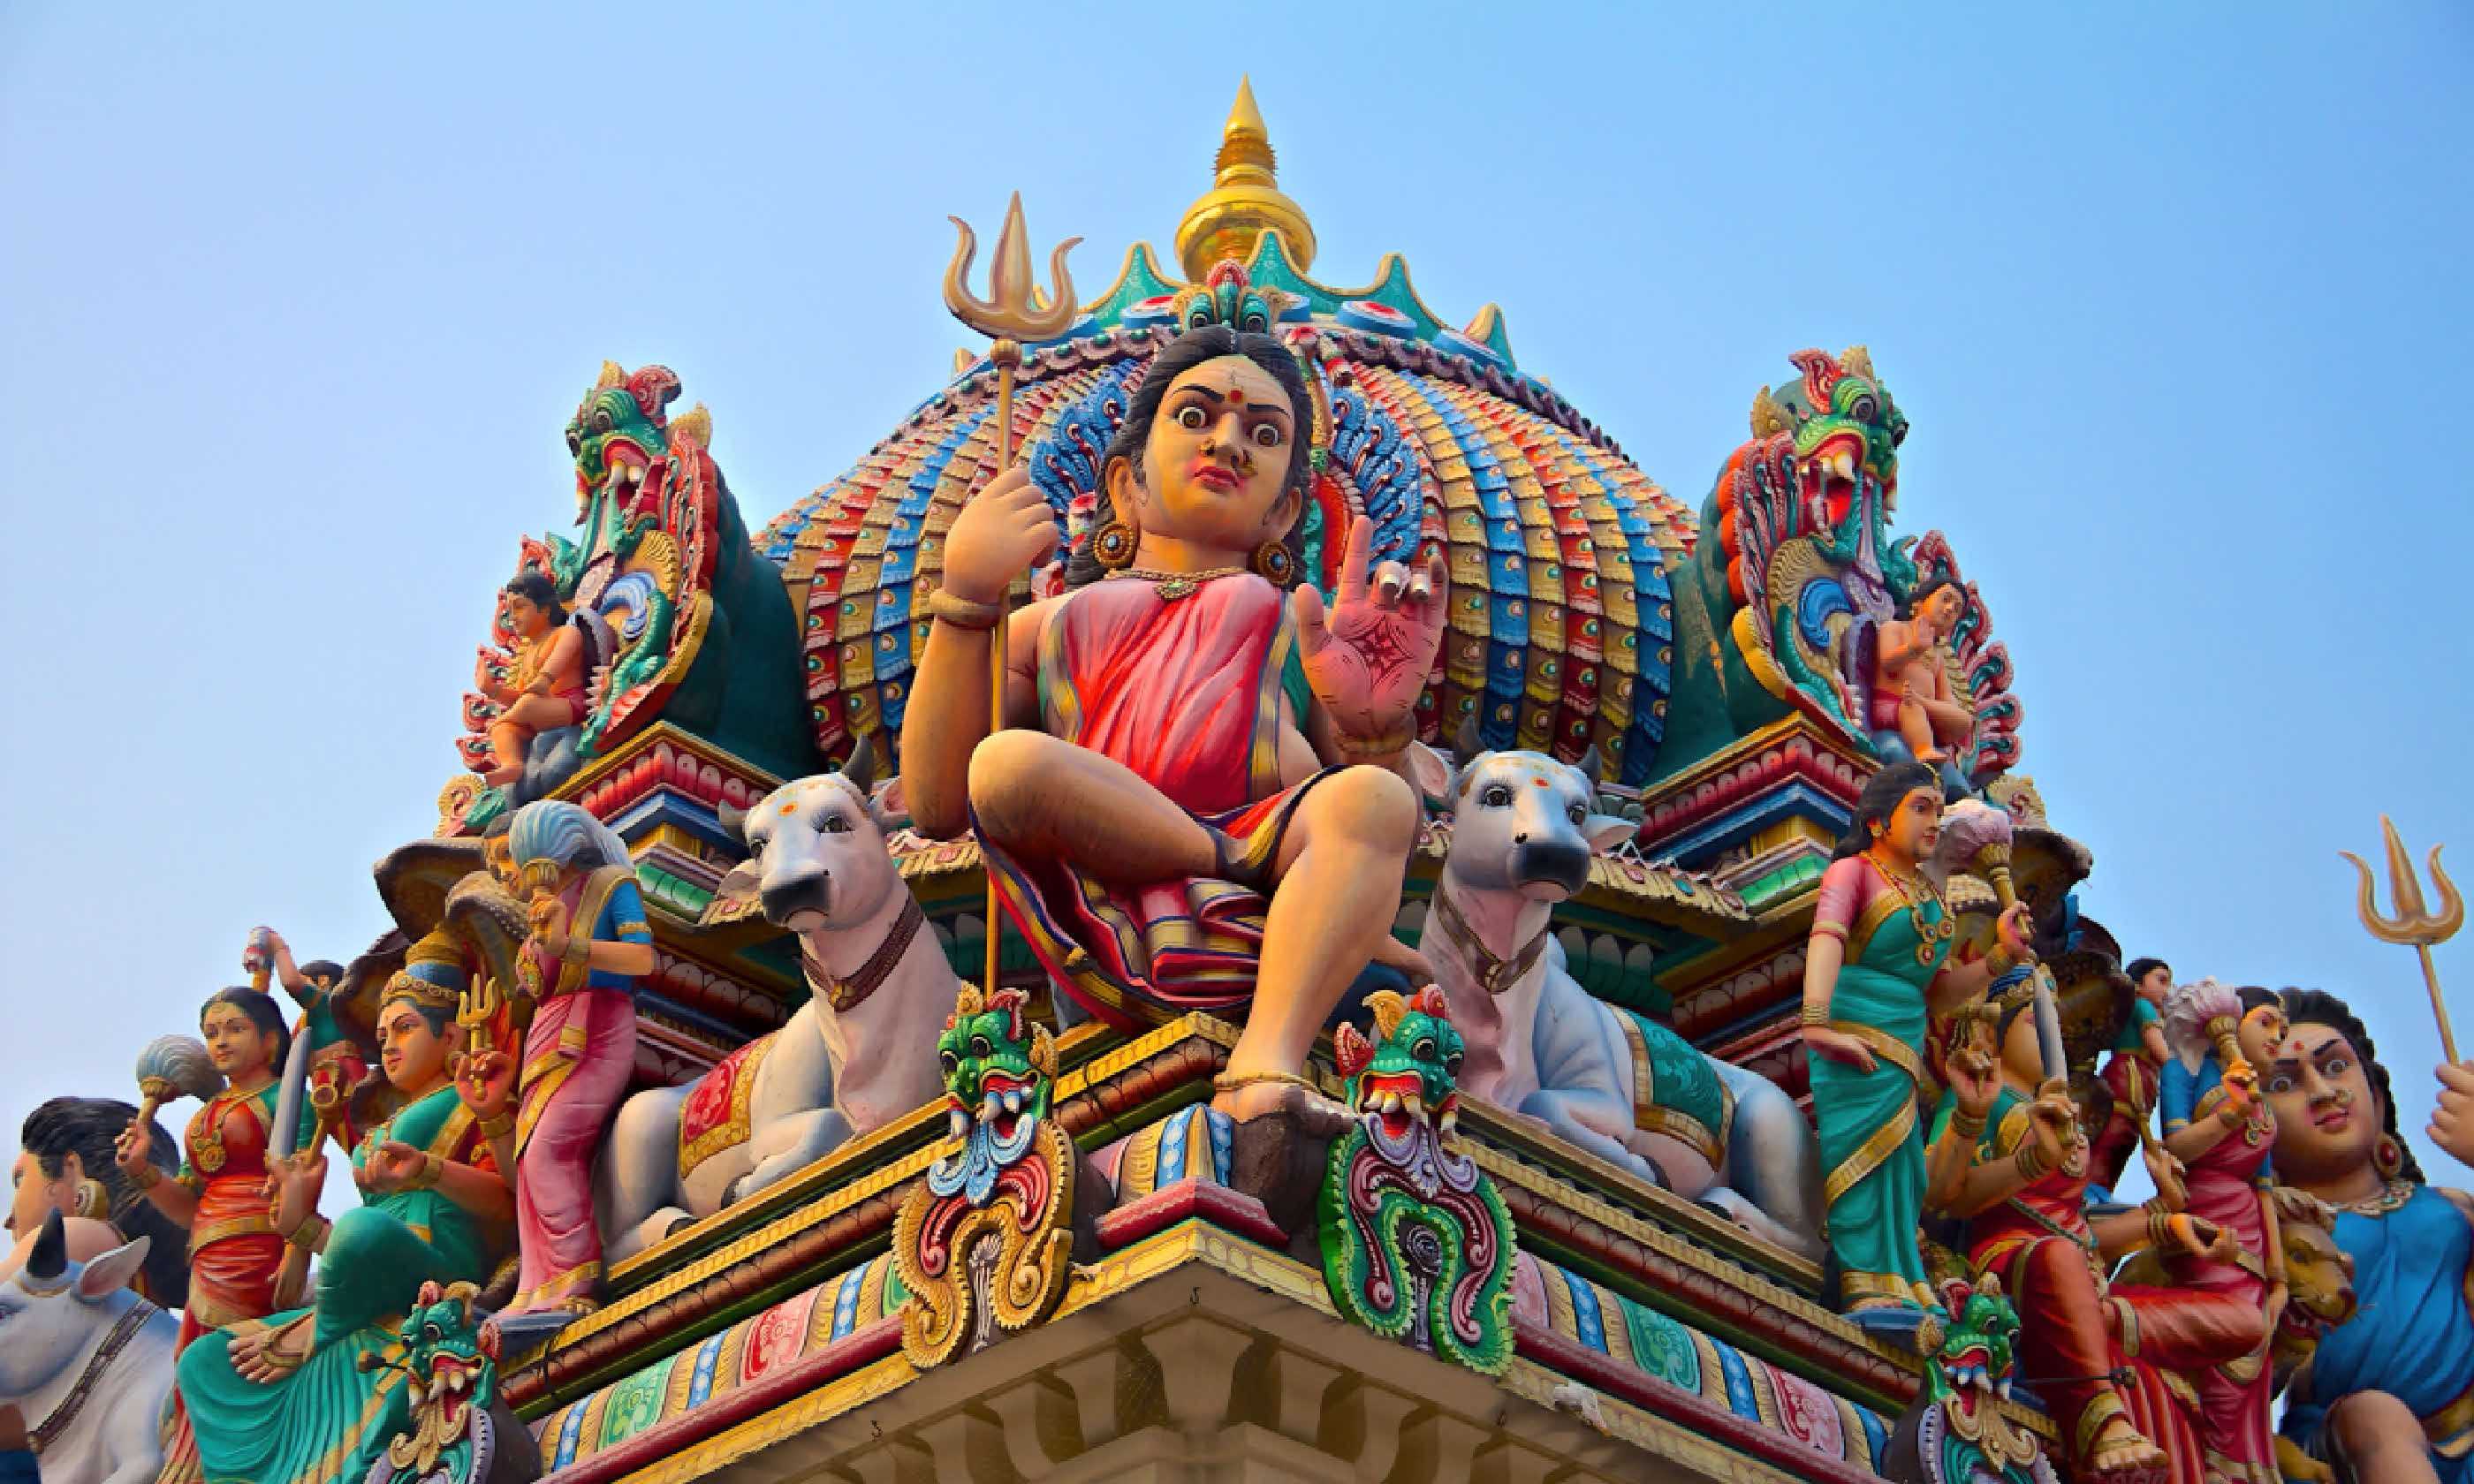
1619	1084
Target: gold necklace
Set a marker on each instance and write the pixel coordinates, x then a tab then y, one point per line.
1917	891
1172	585
2392	1195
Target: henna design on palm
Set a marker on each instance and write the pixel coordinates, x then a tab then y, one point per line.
1367	660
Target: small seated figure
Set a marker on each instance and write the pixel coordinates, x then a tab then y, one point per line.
2007	1156
286	1397
1911	694
546	690
1181	737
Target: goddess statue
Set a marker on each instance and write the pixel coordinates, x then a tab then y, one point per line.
546	690
286	1397
2131	1072
2216	1125
589	943
2008	1156
2388	1396
1180	737
1878	961
67	1162
219	1195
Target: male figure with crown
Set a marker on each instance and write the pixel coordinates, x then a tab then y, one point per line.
1198	796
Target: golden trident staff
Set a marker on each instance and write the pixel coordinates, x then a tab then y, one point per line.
1012	314
2413	922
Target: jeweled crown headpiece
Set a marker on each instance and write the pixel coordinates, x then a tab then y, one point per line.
433	976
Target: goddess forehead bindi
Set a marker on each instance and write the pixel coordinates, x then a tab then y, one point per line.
1233	379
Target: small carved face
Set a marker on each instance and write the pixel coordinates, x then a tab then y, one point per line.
525	616
411	1053
2319	1280
2327	1117
235	1044
1216	464
2261	1031
2155	984
1941	611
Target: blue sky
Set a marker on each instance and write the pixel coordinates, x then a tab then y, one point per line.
298	300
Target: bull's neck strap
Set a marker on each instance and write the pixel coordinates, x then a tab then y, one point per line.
48	1432
848	994
1494	972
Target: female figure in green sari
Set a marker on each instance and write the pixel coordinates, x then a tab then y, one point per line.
1878	962
284	1400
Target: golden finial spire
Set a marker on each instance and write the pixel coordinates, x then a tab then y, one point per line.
1243	201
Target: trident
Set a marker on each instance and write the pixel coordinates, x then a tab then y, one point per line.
1012	314
2413	922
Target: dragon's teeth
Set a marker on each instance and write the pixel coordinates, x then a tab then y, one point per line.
957	1123
1414	1105
1013	1100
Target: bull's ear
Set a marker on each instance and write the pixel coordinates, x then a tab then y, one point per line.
109	1273
1606	831
736	892
1430	775
890	808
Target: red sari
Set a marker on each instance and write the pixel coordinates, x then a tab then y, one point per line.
2225	1186
233	1250
2077	1328
1187	692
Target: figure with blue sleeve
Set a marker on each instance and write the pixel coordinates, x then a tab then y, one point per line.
2388	1396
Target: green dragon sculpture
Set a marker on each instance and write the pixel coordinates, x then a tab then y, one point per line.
1778	607
683	620
1956	1432
444	1424
1417	1243
986	1242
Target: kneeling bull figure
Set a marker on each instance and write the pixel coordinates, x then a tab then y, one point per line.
859	1054
1617	1084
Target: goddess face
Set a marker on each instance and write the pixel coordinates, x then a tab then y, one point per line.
2327	1117
237	1047
2261	1031
1216	464
413	1055
1914	826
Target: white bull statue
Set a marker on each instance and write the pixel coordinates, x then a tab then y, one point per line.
1617	1084
859	1053
86	1361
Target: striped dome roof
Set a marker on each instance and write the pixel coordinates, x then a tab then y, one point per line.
1560	624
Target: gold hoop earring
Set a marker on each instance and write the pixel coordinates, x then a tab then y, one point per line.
1274	562
1112	546
94	1202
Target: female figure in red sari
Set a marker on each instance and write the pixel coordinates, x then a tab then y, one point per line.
220	1194
2008	1156
1181	738
2217	1126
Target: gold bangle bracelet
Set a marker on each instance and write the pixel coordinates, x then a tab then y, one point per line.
1231	1082
1815	1015
1966	1125
2029	1164
499	1127
148	1177
1381	746
310	1234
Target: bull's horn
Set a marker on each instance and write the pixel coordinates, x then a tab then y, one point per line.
51	1254
734	819
1466	744
860	770
1591	765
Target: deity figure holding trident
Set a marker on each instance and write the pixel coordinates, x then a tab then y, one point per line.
1181	738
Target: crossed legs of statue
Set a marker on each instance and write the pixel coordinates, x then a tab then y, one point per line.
1337	876
513	730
